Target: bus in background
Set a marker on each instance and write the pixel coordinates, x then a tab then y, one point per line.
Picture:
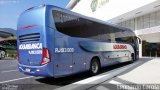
55	42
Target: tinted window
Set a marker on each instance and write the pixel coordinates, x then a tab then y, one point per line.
74	26
80	27
125	36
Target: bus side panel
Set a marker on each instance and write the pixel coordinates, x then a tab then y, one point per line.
50	39
79	56
63	60
79	62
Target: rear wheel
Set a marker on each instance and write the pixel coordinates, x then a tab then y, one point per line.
132	57
94	67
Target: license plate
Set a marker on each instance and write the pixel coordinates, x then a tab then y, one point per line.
28	69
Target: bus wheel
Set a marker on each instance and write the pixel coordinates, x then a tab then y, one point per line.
133	58
94	67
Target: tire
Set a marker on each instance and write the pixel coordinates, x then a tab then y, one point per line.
133	58
94	67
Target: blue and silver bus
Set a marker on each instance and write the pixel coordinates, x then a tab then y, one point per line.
55	42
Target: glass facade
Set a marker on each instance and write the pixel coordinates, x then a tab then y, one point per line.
142	22
149	48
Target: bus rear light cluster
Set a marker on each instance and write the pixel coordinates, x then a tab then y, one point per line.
46	56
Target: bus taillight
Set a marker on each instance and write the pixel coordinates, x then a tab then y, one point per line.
46	56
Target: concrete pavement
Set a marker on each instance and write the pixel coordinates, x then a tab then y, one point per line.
9	75
143	77
148	73
143	71
95	80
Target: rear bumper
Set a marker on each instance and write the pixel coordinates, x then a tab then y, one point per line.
36	70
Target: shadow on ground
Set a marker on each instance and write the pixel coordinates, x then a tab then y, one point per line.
77	77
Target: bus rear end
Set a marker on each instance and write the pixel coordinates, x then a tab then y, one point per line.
33	53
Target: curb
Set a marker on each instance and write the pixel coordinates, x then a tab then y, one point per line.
92	81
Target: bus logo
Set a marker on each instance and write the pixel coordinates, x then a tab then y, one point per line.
119	46
30	46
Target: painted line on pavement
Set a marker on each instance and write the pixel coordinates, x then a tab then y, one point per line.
102	88
16	79
9	71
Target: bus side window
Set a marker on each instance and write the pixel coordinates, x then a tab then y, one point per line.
57	17
61	18
119	40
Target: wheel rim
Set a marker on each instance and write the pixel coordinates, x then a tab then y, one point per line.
94	67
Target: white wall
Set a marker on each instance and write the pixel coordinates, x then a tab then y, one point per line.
83	7
111	9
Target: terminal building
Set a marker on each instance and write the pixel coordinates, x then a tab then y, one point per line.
7	42
142	16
